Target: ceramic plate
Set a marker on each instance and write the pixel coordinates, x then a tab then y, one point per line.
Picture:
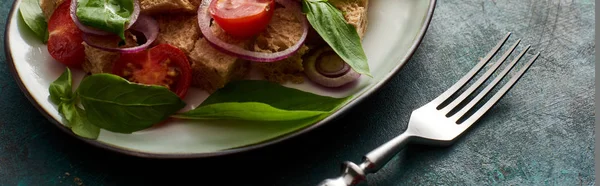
396	28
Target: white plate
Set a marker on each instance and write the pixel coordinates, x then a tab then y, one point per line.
396	28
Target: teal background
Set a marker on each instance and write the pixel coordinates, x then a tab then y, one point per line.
540	133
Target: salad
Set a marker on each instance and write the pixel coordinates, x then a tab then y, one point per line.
142	56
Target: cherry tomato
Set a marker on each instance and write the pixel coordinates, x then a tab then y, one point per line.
242	18
163	65
65	39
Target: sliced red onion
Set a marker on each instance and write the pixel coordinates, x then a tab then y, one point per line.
330	68
86	29
204	20
145	25
330	77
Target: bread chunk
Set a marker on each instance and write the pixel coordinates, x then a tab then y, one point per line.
101	61
287	70
213	69
355	13
48	7
179	30
283	31
169	6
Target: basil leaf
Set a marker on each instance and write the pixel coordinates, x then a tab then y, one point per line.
32	14
272	94
115	104
256	100
251	111
342	37
77	121
60	89
62	95
229	134
252	132
107	15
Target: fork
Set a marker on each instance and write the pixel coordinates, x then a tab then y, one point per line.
441	121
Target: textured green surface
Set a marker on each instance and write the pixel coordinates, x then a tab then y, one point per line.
541	133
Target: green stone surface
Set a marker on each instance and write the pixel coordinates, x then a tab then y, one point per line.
540	133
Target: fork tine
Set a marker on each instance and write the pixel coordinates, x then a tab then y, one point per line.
462	82
446	110
489	87
490	103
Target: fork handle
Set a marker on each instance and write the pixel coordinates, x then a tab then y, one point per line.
377	158
353	174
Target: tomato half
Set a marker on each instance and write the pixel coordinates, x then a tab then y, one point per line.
163	65
242	18
65	39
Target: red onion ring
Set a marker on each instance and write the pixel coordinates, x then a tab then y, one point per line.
86	29
344	76
145	24
204	20
329	72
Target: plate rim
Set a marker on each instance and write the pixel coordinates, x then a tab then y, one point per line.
131	152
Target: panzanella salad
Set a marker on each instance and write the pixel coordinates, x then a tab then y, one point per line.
142	56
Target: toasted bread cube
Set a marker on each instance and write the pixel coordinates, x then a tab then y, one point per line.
287	70
97	60
48	7
213	69
169	6
179	30
283	31
355	13
101	61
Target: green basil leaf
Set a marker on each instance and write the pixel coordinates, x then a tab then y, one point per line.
272	94
229	134
342	37
107	15
117	105
62	95
77	121
256	100
252	132
32	14
251	111
67	110
60	89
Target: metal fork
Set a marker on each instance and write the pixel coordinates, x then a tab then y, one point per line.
438	122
